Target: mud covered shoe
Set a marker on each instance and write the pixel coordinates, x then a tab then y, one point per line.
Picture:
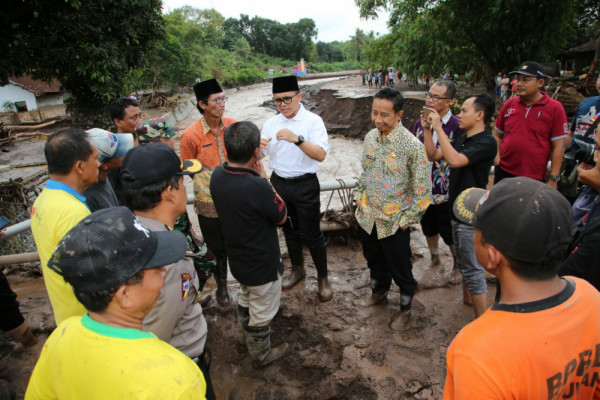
400	320
222	293
325	290
374	300
273	355
295	276
23	334
205	299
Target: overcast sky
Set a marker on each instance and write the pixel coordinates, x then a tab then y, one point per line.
335	19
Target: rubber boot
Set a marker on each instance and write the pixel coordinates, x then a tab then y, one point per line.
206	297
319	256
400	320
221	279
297	272
374	300
23	334
201	283
258	340
243	318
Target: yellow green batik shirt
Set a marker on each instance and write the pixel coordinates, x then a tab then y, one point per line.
395	188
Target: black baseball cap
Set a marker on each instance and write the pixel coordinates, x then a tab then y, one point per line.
108	247
530	68
523	218
155	162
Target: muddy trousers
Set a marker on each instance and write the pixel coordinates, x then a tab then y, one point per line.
213	237
389	259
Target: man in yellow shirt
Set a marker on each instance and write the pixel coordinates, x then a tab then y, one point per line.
116	268
73	166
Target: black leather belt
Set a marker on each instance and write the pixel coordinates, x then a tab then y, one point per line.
295	178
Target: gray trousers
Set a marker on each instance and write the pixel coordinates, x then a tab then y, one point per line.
471	271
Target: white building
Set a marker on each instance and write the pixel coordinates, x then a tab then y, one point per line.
26	94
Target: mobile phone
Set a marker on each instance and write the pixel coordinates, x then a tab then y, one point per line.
426	112
3	222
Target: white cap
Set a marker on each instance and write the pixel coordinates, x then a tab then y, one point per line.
110	145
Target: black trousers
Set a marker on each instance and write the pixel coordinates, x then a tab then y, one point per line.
10	316
203	362
213	236
389	258
301	197
500	174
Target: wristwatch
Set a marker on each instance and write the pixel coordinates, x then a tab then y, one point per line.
300	140
555	178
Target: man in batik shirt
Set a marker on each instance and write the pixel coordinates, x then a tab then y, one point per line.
393	193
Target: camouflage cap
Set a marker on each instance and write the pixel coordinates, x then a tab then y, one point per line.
155	128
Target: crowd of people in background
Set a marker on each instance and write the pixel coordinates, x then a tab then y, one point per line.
125	271
380	77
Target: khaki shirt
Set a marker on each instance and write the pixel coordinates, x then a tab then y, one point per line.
177	318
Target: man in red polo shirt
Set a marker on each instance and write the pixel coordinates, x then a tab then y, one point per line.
530	129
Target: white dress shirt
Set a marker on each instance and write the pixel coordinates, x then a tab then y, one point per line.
287	159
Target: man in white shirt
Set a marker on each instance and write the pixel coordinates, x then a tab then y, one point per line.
297	142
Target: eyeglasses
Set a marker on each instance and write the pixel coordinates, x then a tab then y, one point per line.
284	100
436	97
219	100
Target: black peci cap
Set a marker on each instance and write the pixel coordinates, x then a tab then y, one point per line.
206	88
285	84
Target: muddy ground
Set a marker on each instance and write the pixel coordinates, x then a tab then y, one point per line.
338	351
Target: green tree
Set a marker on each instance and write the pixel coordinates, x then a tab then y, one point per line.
488	38
330	52
292	40
169	63
358	41
90	46
196	27
587	20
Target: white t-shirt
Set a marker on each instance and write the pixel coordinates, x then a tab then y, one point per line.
287	159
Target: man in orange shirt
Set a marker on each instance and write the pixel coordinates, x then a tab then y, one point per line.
541	340
203	141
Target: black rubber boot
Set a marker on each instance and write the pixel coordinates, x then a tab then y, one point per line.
258	340
243	318
221	279
319	256
297	272
201	284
